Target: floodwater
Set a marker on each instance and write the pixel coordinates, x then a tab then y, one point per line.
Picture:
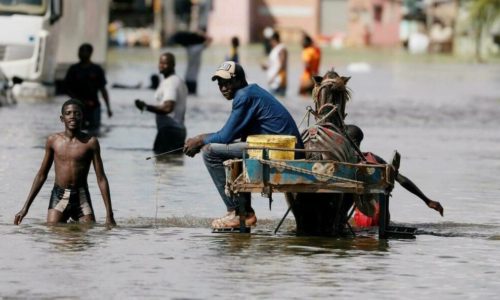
444	119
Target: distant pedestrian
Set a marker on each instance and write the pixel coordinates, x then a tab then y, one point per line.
84	81
311	57
233	54
266	34
194	53
276	66
170	107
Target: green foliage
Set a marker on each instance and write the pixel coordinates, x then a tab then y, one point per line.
484	12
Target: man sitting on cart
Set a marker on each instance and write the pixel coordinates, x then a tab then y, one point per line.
254	111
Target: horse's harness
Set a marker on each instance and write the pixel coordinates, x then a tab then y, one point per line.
317	88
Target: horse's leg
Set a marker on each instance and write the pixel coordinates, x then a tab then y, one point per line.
317	213
343	217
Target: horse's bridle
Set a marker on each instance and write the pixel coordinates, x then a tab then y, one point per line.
317	89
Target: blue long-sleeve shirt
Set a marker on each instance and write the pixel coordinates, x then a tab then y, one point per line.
255	111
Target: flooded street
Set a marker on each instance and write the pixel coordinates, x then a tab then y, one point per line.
443	118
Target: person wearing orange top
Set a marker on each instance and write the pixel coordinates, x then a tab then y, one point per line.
311	56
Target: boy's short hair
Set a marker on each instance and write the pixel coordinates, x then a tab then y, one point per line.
86	47
72	101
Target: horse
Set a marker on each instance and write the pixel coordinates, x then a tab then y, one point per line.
330	95
324	213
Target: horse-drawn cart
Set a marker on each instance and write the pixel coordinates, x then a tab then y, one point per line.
340	184
322	190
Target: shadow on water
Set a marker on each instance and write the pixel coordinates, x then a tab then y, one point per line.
176	159
71	237
451	229
269	245
366	239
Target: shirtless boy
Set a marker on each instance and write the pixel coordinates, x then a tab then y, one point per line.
72	152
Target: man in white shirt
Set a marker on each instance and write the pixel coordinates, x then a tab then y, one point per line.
170	107
276	66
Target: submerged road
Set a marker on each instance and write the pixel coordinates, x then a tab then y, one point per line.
443	117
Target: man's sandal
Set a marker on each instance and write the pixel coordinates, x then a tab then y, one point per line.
234	222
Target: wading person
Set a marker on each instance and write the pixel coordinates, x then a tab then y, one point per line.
233	52
84	81
276	66
194	54
311	56
170	107
254	111
72	153
361	220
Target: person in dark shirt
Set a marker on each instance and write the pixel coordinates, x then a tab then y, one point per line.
233	54
83	82
254	111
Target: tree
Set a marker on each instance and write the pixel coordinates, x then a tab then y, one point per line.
482	14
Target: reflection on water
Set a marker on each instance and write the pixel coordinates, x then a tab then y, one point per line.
446	131
170	159
71	237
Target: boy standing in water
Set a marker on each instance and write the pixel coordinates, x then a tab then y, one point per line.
72	152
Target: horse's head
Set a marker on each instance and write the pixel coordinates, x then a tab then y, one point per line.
330	90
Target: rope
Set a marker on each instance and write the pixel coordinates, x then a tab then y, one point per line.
307	114
158	173
334	109
277	164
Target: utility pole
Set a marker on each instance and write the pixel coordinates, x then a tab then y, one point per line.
195	16
169	24
156	41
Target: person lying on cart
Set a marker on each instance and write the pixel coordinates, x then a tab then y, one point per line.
254	111
361	220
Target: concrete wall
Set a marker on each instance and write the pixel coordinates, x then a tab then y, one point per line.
230	18
386	20
248	18
364	22
373	22
290	18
